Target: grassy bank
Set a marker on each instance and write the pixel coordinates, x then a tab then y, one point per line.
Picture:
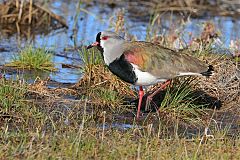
33	58
50	132
39	123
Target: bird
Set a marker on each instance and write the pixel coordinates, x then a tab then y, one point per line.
143	63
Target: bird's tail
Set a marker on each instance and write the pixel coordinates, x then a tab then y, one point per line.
209	72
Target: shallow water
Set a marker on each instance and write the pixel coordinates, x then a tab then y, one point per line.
89	24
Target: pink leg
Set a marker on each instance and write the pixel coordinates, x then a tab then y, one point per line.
162	87
141	93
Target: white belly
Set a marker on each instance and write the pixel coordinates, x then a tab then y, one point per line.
145	78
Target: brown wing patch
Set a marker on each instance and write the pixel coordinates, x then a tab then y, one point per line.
136	56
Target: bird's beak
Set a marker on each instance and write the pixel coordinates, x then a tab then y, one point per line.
92	45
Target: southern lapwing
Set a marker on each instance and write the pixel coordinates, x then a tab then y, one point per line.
144	63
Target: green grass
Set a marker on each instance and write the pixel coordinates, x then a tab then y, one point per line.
44	135
12	94
52	130
104	88
108	98
180	102
33	58
44	128
90	57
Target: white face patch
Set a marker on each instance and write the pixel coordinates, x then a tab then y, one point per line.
112	49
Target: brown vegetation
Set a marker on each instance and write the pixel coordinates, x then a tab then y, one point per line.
196	8
20	14
225	83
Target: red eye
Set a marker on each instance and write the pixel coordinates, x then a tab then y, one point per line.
105	38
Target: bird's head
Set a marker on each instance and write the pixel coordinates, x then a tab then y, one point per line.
106	39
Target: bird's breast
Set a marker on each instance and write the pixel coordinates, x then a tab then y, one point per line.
130	73
123	69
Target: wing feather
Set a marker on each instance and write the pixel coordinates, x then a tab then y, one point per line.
160	61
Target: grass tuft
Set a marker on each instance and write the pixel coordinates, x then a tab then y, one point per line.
104	88
33	58
180	102
105	97
12	94
90	57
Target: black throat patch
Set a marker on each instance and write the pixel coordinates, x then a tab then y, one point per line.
123	69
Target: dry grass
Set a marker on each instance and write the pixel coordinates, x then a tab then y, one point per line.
27	18
39	89
196	8
225	83
49	126
100	76
27	12
98	83
104	88
50	131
